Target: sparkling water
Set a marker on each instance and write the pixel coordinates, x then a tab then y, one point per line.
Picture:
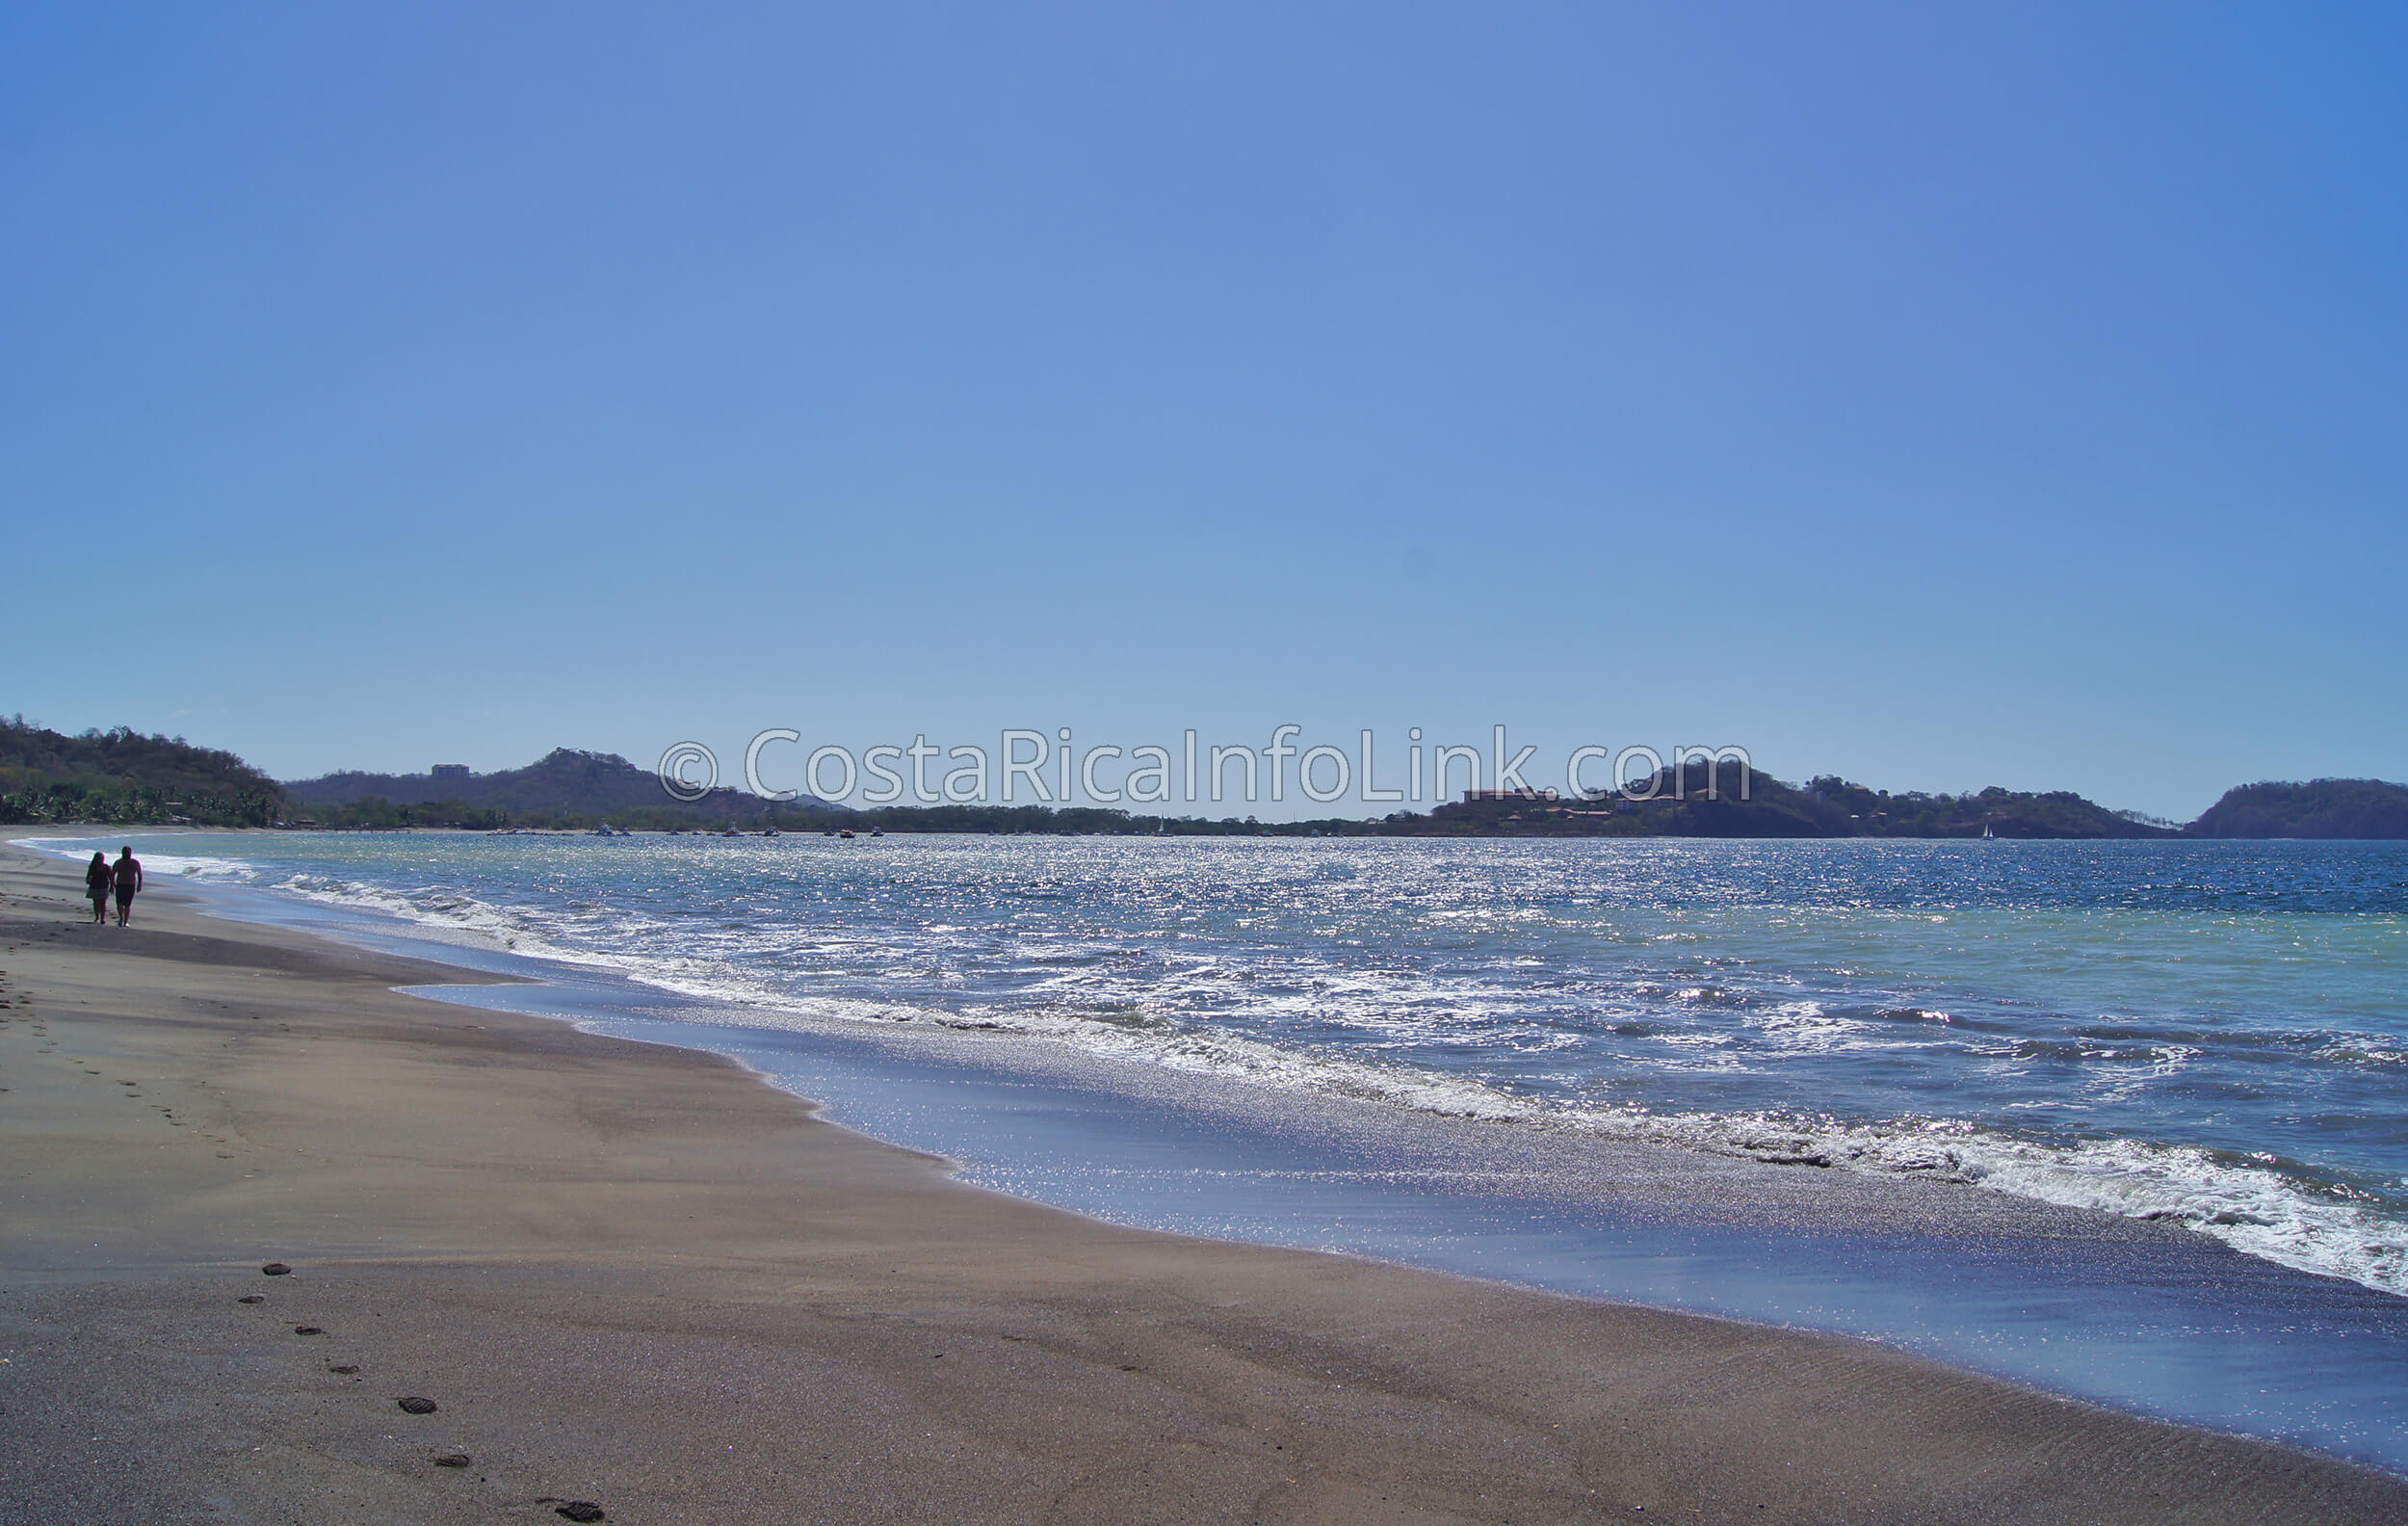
2212	1033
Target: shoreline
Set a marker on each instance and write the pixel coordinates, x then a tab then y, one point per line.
2120	1308
712	1283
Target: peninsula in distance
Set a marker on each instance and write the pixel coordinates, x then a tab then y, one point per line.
123	777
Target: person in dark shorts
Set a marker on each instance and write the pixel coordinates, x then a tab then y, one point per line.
97	882
127	876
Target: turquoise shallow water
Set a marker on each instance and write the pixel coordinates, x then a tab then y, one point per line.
1433	1051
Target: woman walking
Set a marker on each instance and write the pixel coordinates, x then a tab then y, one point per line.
97	878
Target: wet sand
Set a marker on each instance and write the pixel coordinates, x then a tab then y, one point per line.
638	1276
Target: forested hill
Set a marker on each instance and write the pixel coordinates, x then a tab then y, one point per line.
2318	808
566	784
122	776
1697	803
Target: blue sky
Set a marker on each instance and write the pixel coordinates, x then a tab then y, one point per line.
1942	396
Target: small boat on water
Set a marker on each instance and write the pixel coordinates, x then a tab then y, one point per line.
847	835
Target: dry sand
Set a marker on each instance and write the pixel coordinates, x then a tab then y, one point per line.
640	1277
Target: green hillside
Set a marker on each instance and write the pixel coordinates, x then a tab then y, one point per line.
565	787
1692	802
123	777
2318	809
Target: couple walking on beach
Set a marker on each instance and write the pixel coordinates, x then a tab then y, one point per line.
125	877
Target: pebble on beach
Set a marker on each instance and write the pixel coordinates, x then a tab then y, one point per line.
413	1405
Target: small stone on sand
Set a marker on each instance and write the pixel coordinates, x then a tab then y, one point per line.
452	1459
413	1405
275	1269
346	1369
252	1298
307	1329
581	1511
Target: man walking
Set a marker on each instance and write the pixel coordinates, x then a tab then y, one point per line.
127	875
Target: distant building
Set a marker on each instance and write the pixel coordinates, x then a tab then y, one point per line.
450	770
1474	797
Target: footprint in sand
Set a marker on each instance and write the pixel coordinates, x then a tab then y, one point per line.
452	1459
344	1369
414	1405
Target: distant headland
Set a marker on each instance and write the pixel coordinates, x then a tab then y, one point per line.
123	778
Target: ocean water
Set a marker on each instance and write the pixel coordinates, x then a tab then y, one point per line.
2211	1034
2122	1120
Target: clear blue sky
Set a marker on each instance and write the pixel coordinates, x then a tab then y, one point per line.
1942	396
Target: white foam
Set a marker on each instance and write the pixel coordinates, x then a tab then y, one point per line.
196	866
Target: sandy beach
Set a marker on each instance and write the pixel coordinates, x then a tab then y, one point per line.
638	1277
